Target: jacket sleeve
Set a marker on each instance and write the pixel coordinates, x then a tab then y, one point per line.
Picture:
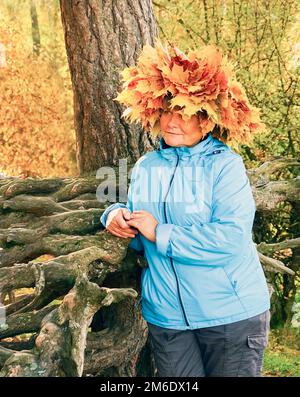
229	231
135	242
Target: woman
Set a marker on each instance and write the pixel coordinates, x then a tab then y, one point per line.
190	210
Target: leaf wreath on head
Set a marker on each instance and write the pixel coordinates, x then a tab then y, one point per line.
201	83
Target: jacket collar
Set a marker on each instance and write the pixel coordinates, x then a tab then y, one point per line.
205	146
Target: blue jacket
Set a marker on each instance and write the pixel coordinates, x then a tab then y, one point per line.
204	268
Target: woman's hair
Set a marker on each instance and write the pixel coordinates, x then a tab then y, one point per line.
221	135
216	131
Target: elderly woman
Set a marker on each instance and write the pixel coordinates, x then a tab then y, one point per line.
190	211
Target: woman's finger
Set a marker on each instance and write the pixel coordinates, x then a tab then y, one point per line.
118	234
134	222
123	232
116	224
136	215
129	228
121	221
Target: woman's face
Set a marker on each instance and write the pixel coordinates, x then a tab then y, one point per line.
177	132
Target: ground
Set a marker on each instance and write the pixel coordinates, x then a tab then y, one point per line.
282	357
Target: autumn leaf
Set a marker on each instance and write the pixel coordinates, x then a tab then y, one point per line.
201	83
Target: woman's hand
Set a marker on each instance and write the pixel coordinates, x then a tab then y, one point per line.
145	223
116	223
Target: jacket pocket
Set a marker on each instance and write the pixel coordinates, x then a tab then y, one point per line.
231	280
257	341
238	274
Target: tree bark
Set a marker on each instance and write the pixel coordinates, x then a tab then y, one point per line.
101	39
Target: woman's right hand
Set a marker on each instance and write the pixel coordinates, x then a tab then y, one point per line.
116	223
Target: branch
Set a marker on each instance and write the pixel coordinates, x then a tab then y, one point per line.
261	176
274	265
269	195
60	345
60	244
24	323
269	249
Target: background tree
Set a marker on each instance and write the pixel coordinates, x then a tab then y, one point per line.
35	28
101	39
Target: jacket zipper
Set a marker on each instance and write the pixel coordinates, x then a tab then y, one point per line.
171	259
166	220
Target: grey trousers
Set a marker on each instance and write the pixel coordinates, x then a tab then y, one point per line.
229	350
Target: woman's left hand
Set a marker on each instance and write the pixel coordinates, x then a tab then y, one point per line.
144	222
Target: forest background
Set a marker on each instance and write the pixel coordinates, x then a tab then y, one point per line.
262	37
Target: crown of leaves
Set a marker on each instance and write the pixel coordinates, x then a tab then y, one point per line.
201	83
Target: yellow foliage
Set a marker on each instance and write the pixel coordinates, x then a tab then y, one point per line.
36	120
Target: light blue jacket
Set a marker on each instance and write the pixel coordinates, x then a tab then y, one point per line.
204	268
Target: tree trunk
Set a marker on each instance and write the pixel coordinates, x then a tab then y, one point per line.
101	39
36	39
